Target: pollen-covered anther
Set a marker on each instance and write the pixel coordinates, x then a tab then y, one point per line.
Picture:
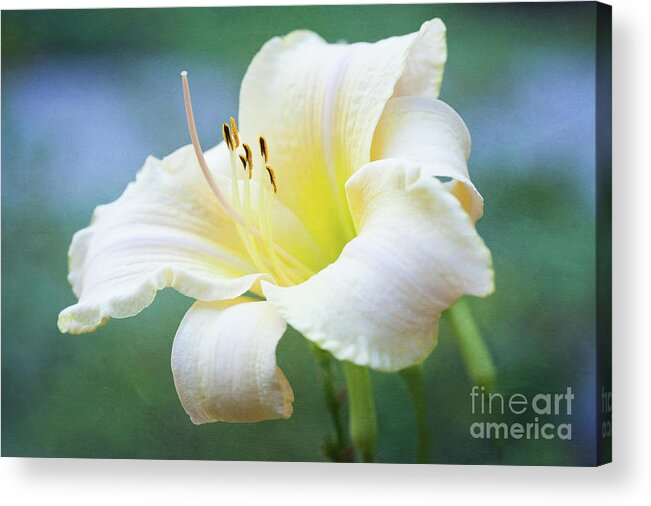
243	160
272	177
249	158
226	134
264	150
236	134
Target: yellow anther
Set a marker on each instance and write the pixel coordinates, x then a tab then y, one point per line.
249	159
272	177
226	133
243	160
264	151
236	134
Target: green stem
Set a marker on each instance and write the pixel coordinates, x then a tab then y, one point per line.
361	409
473	348
413	378
333	403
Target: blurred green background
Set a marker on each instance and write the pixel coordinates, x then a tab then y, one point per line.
87	95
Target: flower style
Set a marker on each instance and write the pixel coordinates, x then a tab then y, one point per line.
324	211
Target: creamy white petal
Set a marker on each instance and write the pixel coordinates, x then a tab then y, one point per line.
224	363
423	73
166	230
431	134
318	105
416	252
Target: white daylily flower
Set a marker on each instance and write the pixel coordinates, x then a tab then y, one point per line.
324	205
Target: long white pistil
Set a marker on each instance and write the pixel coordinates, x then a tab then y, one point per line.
241	222
199	153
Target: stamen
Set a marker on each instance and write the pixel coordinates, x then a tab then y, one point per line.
298	270
249	158
235	188
264	151
236	135
272	177
199	152
243	160
226	134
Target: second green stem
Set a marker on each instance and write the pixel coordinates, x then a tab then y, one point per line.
473	348
361	409
413	378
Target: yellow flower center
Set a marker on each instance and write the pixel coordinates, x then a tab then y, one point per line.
254	222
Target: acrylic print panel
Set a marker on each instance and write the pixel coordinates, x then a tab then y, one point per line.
349	280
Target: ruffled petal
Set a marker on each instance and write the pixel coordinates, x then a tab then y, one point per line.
416	252
318	105
224	363
425	64
166	230
431	134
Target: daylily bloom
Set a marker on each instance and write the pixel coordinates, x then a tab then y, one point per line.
342	206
